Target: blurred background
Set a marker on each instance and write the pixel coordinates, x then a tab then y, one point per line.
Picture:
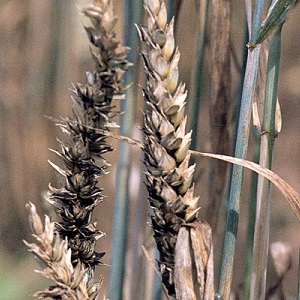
43	49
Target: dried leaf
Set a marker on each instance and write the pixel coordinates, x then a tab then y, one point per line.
258	102
255	116
292	197
288	192
193	272
278	118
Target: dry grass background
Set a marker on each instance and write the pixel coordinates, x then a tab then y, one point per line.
43	49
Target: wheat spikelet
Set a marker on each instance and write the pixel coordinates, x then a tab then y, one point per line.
71	282
169	176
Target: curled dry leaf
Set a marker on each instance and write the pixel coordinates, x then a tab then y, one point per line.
292	196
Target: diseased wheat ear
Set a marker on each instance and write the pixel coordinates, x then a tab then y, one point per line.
83	148
169	177
81	162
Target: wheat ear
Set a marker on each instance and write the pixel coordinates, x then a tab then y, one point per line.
166	143
81	153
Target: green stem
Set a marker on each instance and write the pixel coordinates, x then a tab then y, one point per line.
237	174
261	237
251	222
240	152
119	237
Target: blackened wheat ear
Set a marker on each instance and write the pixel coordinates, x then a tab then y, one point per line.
83	150
81	153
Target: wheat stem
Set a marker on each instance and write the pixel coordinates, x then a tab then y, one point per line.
262	226
240	152
220	106
132	14
251	224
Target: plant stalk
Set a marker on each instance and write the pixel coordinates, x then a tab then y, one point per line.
262	226
251	223
220	106
240	152
197	74
121	211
